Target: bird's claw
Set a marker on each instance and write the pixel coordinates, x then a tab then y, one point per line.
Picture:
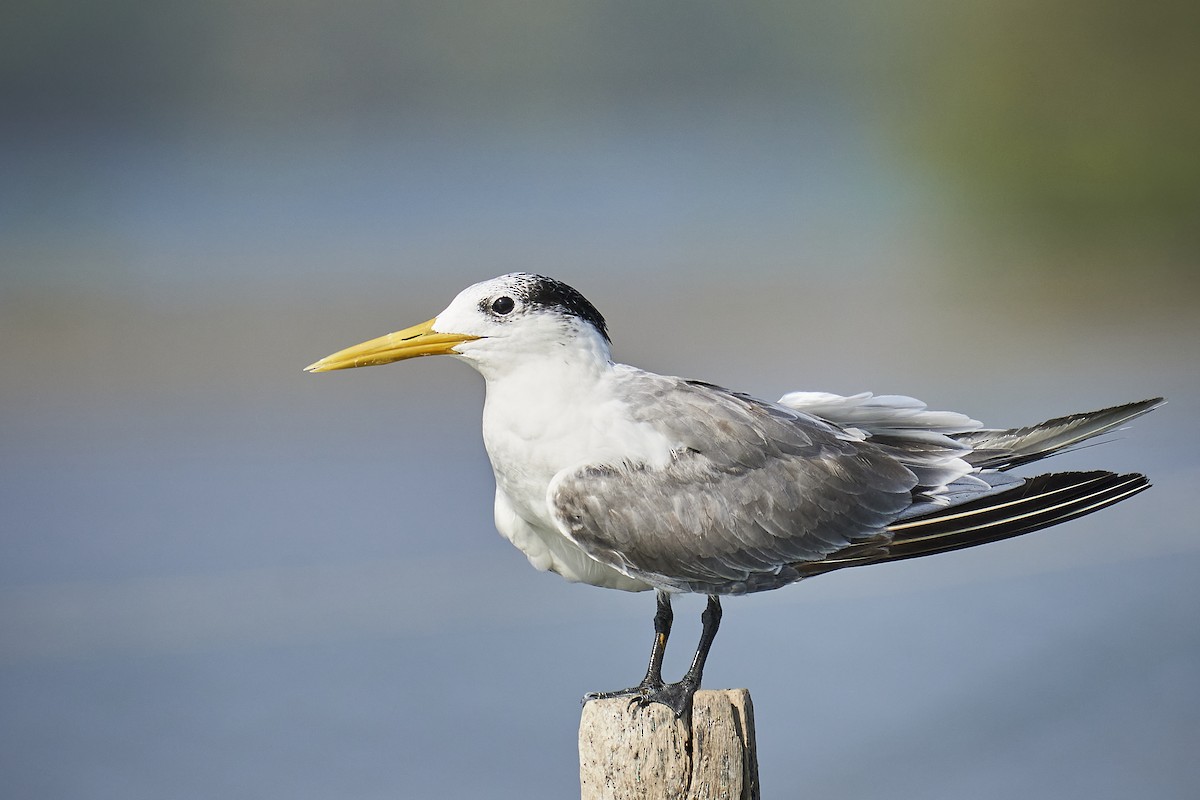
675	696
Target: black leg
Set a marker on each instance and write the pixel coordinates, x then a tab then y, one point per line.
676	696
663	617
711	619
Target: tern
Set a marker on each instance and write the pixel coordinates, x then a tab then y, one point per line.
610	475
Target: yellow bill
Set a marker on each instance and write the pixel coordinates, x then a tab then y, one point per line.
419	340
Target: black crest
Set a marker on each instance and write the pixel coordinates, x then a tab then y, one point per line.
541	292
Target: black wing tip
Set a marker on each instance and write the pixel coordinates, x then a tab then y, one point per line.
1039	502
1081	476
1095	481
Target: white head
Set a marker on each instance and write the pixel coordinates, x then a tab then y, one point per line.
494	325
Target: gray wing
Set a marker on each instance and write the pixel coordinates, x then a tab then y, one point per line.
752	489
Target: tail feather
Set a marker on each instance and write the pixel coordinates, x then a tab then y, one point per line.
1005	449
1036	503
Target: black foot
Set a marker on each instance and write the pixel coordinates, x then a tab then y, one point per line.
633	693
675	696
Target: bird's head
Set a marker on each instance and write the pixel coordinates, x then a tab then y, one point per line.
494	325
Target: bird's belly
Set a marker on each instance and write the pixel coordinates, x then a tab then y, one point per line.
547	549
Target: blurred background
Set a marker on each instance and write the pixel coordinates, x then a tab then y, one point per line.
220	576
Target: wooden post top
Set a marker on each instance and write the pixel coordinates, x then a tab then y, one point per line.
629	752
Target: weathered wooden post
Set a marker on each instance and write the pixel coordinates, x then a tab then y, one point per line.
644	753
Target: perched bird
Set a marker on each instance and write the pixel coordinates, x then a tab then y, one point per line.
625	479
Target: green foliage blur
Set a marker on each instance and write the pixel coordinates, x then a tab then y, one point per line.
1078	120
1069	125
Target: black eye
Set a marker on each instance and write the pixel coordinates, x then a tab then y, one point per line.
503	305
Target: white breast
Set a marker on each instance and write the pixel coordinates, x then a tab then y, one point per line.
538	422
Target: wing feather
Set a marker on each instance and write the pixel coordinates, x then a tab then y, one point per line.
757	495
751	489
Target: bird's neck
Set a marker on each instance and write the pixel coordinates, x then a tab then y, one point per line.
533	393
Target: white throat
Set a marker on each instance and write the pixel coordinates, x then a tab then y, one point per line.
558	412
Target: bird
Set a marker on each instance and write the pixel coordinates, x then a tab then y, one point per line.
621	478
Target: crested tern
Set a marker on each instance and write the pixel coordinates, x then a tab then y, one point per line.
621	478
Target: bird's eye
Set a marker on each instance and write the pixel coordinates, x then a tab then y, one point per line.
503	305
